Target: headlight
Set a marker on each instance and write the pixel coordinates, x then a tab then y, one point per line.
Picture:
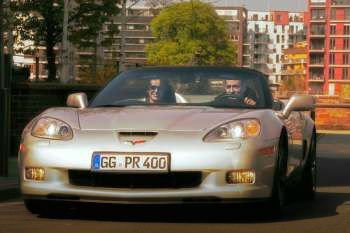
240	129
51	128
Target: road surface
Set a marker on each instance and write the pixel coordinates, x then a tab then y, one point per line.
330	212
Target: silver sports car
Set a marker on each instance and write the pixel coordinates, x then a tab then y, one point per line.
166	135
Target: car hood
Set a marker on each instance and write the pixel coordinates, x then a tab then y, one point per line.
140	118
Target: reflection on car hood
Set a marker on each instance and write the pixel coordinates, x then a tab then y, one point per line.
141	118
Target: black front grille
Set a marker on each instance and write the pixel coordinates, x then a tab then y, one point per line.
118	180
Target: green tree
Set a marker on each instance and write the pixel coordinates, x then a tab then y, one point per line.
190	33
293	85
41	22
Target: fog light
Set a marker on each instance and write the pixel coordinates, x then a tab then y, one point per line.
240	177
34	173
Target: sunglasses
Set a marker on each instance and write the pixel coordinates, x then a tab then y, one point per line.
232	86
154	88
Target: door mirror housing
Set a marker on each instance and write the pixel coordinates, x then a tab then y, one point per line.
299	103
77	100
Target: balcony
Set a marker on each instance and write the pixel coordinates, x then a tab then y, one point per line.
317	62
262	51
262	41
319	48
318	3
294	61
293	72
340	3
318	18
316	78
317	32
261	60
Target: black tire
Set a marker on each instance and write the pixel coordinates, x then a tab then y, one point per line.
309	179
43	207
279	189
34	206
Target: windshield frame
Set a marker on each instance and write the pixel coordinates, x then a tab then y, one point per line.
240	72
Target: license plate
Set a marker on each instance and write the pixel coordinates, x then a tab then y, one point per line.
130	162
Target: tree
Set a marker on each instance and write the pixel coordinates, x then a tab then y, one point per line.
102	74
293	85
189	33
41	22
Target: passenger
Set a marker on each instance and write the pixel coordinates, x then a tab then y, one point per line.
159	91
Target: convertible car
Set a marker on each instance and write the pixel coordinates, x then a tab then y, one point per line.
170	135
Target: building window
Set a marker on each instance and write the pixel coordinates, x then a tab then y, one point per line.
347	13
333	29
279	18
256	28
332	43
255	17
345	58
317	14
277	58
346	29
345	74
282	38
346	43
278	38
331	58
333	14
331	73
130	27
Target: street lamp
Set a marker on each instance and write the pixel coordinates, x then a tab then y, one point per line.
4	104
36	64
64	52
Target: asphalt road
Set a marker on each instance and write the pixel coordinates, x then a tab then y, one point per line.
330	212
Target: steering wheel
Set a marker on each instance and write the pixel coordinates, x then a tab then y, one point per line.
229	99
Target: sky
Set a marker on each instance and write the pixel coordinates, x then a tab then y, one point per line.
265	5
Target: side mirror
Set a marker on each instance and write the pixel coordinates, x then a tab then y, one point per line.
299	103
277	105
77	100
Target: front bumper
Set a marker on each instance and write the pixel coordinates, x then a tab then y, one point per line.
213	160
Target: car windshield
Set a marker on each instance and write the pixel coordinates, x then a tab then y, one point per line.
226	88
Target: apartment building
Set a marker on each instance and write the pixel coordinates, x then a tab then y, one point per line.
236	27
138	34
268	34
293	73
329	46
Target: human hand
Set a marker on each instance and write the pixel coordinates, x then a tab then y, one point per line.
249	101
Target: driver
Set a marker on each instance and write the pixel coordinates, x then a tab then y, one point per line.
233	88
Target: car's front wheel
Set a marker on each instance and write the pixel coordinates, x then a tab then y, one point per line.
308	182
279	189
